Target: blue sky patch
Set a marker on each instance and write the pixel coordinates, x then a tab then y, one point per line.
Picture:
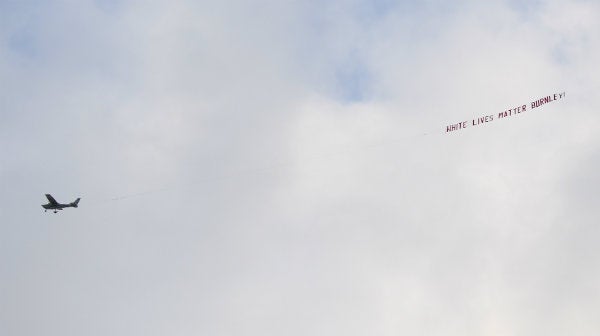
23	44
352	80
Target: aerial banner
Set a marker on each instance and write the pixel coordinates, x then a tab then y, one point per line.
506	113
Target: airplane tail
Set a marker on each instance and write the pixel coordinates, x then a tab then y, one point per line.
74	204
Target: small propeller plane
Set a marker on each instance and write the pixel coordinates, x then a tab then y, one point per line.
54	205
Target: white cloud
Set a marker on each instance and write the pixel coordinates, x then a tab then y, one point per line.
275	198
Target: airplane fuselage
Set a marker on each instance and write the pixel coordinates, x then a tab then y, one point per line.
57	206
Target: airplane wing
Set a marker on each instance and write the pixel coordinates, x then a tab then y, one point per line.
51	199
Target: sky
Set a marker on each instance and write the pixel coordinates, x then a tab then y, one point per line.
283	167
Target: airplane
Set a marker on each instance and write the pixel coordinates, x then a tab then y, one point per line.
54	205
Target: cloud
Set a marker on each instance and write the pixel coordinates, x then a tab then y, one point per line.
282	168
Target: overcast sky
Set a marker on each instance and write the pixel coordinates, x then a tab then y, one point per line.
282	168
